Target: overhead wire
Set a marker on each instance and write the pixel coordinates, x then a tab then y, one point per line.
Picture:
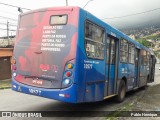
8	24
14	6
132	14
6	29
8	18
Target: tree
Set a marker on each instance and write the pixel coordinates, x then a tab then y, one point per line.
144	42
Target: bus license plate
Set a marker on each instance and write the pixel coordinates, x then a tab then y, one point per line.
38	82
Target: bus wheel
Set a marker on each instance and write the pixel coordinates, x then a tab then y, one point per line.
121	91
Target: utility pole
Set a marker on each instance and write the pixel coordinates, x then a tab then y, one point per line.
66	2
8	31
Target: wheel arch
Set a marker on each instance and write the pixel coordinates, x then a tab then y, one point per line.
118	83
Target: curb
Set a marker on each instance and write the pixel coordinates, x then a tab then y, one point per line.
5	84
2	88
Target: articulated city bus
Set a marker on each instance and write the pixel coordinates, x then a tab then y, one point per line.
67	54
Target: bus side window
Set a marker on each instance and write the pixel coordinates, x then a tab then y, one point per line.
131	53
112	57
87	50
124	51
90	49
94	39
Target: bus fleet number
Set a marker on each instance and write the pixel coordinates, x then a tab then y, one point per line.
87	66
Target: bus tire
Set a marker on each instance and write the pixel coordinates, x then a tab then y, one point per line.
121	92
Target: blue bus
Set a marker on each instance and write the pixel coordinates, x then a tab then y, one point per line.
68	54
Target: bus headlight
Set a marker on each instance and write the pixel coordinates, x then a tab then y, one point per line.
67	81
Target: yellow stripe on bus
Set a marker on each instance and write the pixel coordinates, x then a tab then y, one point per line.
110	96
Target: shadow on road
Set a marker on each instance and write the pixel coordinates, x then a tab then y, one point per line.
105	105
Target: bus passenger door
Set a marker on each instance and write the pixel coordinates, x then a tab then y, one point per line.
111	65
152	68
137	67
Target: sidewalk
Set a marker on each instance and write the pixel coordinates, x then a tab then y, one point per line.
150	101
4	84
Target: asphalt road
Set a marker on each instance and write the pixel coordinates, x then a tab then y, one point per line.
15	101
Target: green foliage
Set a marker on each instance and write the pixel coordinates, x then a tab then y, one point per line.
153	37
156	53
144	42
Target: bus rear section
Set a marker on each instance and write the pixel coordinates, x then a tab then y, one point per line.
44	54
